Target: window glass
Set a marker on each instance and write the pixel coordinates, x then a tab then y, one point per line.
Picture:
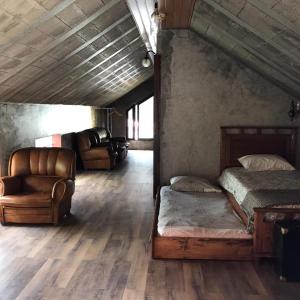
130	124
146	119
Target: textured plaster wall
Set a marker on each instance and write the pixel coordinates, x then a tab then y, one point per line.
202	89
20	124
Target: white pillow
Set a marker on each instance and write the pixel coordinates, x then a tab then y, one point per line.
265	162
192	184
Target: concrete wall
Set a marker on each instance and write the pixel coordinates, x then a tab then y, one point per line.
202	89
119	121
20	125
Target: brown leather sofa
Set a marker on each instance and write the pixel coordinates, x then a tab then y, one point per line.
39	187
119	144
95	154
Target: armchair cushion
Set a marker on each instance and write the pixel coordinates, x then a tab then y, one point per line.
96	153
10	185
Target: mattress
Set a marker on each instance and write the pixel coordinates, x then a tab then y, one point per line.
202	215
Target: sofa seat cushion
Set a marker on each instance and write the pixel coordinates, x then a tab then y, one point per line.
39	184
37	199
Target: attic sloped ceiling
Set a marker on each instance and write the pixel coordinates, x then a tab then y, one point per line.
68	51
263	33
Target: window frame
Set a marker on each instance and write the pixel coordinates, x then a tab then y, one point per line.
138	120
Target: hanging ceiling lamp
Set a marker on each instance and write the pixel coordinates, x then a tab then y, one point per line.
146	62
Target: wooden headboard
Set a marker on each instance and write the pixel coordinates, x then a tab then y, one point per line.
239	141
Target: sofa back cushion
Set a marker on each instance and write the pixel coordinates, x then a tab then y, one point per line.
103	133
43	161
83	141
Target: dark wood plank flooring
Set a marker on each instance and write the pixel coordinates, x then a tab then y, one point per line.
102	251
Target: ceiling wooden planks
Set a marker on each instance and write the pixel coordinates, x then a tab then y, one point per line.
265	34
56	53
178	13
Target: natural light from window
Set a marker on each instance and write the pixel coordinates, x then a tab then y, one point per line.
140	124
146	119
130	124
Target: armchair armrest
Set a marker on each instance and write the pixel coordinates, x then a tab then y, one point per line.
61	188
96	153
9	185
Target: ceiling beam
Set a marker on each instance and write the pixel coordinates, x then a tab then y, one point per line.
43	73
141	12
62	38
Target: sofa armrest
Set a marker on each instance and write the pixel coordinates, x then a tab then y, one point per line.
10	185
62	188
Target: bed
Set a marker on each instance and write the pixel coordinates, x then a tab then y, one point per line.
198	226
279	189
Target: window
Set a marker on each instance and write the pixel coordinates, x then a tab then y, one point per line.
140	123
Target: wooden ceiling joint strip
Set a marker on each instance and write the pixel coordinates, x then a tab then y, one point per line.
103	71
68	56
35	25
65	74
63	37
87	88
253	30
92	69
251	50
90	88
274	15
265	62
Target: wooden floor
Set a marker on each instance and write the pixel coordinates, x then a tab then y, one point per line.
103	251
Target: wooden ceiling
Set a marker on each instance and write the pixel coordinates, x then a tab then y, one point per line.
90	51
265	34
178	13
69	51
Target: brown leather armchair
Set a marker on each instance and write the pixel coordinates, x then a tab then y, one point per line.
93	153
118	143
39	187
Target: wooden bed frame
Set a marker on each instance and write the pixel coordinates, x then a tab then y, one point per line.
197	248
235	142
240	141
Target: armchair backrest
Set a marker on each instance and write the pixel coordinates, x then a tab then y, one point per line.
43	161
103	133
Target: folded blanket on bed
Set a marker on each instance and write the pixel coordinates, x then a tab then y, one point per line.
261	189
268	198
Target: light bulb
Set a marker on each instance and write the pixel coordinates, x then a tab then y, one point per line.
146	62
